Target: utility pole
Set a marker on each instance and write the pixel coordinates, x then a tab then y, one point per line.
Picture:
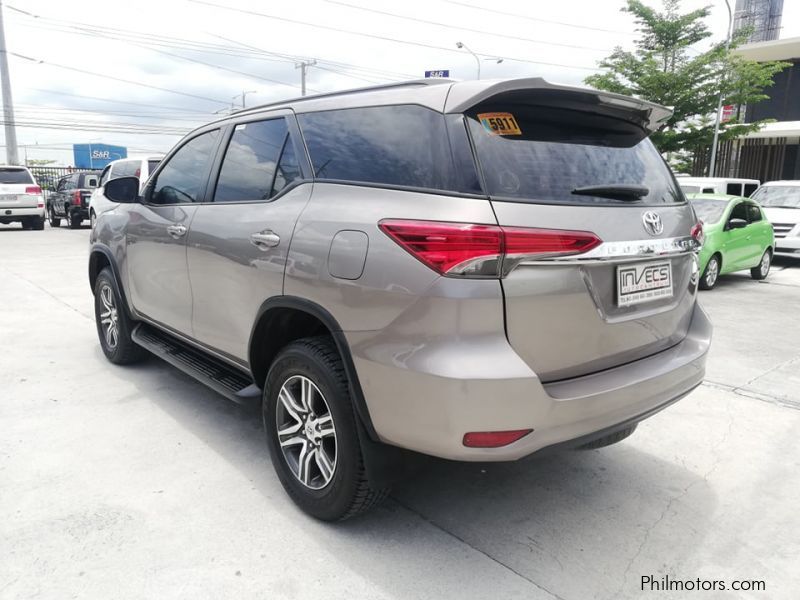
12	156
712	164
303	66
243	95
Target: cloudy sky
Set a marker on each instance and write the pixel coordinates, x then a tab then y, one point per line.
140	74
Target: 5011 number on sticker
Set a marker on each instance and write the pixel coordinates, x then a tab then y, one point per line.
500	123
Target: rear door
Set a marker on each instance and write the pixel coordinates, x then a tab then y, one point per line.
567	160
238	243
760	232
738	245
156	233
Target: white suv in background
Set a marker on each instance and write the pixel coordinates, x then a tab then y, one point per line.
781	203
21	199
124	167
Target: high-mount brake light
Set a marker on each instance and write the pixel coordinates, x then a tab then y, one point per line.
475	250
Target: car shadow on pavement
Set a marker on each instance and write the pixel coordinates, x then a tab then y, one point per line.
572	524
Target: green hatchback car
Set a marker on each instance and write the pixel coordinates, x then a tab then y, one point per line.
738	237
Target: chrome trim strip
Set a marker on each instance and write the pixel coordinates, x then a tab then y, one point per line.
624	251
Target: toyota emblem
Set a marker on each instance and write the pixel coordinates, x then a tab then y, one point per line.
652	223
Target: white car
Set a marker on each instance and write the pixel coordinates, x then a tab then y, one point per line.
728	186
781	203
124	167
21	199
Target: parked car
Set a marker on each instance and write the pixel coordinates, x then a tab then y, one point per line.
140	168
70	200
781	202
388	289
730	186
21	198
738	237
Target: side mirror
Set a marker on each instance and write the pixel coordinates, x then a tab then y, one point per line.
124	189
737	224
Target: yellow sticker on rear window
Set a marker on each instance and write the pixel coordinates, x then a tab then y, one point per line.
500	123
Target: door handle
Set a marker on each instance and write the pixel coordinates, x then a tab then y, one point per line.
265	240
176	231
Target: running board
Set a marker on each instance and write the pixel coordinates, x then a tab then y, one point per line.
211	372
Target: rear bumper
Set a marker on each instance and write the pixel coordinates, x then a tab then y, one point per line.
16	212
430	410
79	211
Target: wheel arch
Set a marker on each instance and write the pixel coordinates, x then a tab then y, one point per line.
101	257
283	319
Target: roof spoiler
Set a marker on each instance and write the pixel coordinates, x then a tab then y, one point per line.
535	90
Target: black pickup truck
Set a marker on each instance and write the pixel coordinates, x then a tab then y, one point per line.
70	200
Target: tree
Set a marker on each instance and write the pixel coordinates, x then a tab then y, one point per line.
663	69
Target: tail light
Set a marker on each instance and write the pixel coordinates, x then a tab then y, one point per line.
470	250
76	198
493	439
33	189
697	233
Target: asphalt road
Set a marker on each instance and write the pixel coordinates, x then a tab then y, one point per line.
139	483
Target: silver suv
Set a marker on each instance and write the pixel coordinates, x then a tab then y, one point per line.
472	270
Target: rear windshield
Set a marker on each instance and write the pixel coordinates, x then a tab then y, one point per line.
708	210
15	176
541	154
778	196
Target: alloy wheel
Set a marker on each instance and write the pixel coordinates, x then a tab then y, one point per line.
306	432
765	264
109	319
712	272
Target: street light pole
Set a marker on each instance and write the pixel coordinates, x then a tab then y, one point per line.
12	155
477	58
712	164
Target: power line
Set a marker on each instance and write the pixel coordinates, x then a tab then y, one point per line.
537	19
162	107
85	72
507	36
378	37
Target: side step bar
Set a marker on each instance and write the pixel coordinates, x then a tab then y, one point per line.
219	376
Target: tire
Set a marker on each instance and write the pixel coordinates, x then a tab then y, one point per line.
26	223
761	270
51	216
75	222
711	273
120	348
314	365
610	439
37	223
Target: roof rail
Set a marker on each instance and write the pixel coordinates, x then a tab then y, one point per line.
371	88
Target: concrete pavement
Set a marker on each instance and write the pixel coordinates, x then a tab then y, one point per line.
139	483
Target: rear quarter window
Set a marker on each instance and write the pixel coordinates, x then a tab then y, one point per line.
404	145
15	176
553	151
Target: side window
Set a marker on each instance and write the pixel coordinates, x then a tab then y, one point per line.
250	165
184	177
739	211
288	168
401	145
90	181
707	191
734	189
754	213
749	188
62	184
104	176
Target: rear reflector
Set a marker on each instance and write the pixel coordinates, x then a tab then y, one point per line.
493	439
472	250
33	189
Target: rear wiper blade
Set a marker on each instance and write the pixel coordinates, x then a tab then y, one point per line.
620	191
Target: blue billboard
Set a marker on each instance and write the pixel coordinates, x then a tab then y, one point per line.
96	156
